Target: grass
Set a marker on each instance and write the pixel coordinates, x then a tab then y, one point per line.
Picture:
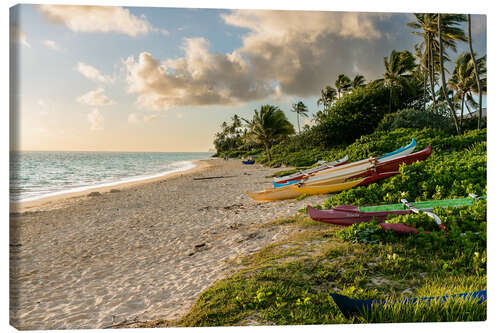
288	283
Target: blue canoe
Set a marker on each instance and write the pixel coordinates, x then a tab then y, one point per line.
350	306
249	162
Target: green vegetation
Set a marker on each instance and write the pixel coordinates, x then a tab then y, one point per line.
288	282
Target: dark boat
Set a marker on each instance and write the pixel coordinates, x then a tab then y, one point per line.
351	307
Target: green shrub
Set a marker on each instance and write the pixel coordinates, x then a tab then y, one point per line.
411	118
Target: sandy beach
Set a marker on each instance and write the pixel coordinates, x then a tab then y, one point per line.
139	251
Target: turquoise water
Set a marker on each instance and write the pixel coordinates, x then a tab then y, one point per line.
36	175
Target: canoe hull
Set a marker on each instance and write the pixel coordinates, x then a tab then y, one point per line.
274	194
351	307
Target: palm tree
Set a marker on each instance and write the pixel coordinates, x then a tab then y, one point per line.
267	126
427	27
443	81
476	74
327	97
463	80
398	70
343	83
301	110
358	81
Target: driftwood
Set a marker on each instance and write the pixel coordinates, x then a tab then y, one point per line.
214	177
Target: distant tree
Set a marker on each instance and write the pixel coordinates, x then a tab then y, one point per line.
476	72
328	95
463	80
358	81
398	72
343	83
301	110
268	126
446	26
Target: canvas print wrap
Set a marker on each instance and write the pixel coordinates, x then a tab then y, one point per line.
215	167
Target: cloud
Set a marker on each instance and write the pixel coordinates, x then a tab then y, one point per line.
95	98
283	54
133	118
95	119
200	78
92	73
149	118
18	36
52	45
164	32
97	19
303	50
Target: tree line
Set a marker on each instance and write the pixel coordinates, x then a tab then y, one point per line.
351	108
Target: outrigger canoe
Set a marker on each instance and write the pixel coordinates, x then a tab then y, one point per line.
347	215
293	191
274	194
351	307
368	168
336	187
248	162
298	175
362	164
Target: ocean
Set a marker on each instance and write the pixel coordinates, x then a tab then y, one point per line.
37	175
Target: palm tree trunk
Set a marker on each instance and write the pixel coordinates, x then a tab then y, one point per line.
462	110
431	65
443	81
390	99
268	151
478	81
298	124
425	87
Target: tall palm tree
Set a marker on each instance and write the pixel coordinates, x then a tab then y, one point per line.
423	64
398	70
343	83
462	80
328	95
301	110
443	80
236	122
427	27
478	81
267	126
358	81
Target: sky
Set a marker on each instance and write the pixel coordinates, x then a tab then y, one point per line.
95	78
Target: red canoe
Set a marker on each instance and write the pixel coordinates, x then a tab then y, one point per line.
393	165
347	215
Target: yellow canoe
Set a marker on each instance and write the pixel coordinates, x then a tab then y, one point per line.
274	194
324	189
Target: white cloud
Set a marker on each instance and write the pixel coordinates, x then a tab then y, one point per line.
95	98
200	78
18	36
132	118
149	118
95	119
97	19
285	53
304	50
52	45
92	73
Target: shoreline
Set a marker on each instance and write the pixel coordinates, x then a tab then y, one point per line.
55	201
